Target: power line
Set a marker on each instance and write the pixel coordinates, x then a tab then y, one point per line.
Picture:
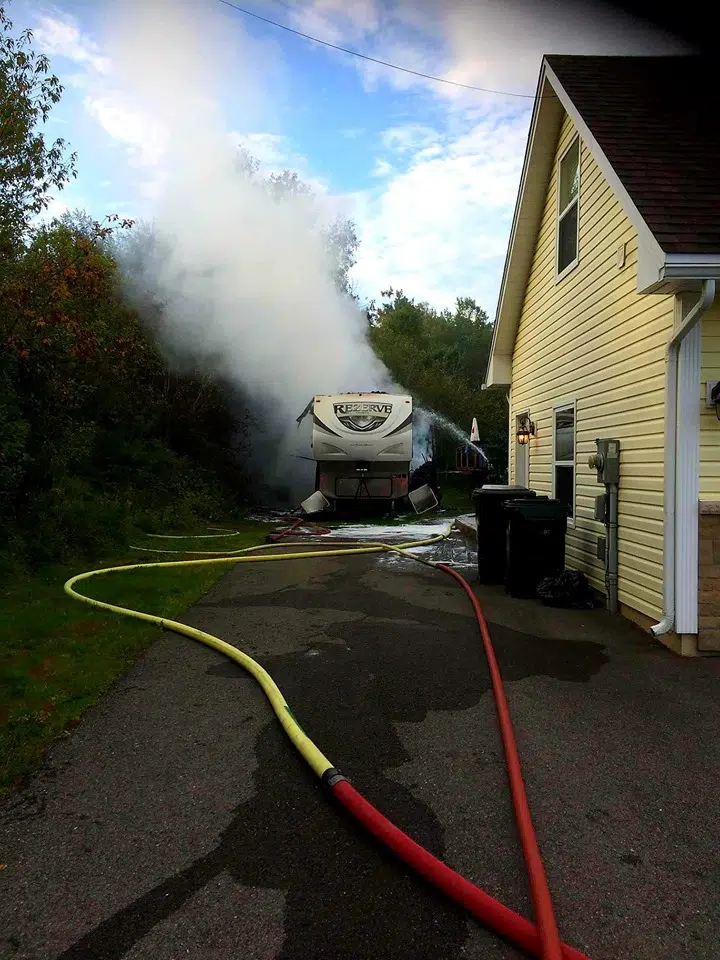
363	56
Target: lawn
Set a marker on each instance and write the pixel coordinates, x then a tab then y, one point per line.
57	655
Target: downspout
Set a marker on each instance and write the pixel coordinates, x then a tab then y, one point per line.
612	548
508	397
671	425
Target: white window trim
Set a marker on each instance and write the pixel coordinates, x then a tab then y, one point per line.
559	213
558	407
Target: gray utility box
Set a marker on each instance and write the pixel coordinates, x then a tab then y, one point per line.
606	461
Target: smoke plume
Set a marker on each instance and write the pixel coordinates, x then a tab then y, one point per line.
245	280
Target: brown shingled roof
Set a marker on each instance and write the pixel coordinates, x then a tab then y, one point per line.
656	121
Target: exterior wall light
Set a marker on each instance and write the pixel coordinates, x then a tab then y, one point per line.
526	429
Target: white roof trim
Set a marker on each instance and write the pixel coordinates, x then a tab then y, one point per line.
537	166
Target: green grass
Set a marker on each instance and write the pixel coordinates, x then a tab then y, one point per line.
456	494
58	656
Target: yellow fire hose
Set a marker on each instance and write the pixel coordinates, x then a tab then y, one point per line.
317	760
541	940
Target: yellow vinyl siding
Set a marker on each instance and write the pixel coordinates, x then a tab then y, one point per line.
709	423
591	338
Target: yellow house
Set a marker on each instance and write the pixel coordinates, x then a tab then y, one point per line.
608	327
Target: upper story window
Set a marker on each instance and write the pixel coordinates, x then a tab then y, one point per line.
568	193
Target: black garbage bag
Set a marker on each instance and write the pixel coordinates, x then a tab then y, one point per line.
567	589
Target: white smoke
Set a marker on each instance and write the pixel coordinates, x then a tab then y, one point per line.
500	44
245	280
422	437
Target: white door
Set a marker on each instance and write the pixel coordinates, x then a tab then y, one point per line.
522	464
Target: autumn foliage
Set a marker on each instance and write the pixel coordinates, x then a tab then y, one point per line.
97	435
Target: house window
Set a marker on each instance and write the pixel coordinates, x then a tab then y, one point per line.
564	456
568	192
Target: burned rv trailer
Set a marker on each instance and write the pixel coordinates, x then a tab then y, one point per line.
363	445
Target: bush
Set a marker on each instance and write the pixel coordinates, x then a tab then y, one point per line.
97	436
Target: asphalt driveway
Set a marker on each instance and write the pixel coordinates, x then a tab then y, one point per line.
177	820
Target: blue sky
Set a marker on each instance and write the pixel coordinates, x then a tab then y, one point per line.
428	172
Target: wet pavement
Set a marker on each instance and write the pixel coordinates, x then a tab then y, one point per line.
452	551
177	820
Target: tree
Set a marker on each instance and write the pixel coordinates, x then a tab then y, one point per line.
95	427
29	167
339	237
441	358
97	432
341	243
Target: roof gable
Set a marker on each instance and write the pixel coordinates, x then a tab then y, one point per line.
646	148
655	122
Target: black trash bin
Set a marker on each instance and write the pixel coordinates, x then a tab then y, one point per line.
491	521
535	543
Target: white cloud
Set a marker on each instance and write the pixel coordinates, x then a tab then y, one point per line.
382	168
439	229
60	202
336	21
409	137
437	220
439	225
144	137
422	55
380	30
115	98
271	149
55	208
62	37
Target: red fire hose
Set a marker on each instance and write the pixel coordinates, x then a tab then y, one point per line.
540	940
542	903
490	912
299	527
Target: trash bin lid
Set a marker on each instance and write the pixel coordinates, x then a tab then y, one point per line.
541	507
494	489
